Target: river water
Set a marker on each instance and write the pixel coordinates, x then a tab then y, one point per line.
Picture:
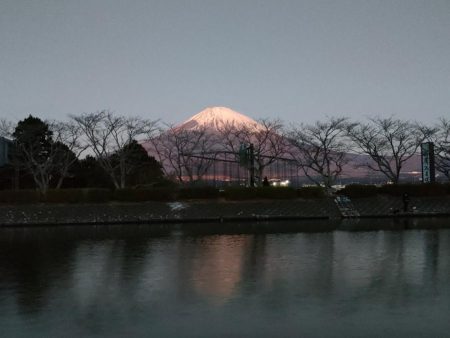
253	280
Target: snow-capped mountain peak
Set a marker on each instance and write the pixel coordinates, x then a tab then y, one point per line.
216	118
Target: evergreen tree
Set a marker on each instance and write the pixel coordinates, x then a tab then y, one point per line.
32	150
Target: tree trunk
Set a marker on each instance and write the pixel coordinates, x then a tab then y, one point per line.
61	179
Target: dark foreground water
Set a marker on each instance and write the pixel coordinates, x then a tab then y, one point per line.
128	281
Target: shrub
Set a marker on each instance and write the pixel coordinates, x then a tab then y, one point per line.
432	189
20	196
78	196
241	193
198	193
64	196
159	183
142	195
311	192
97	195
447	188
359	190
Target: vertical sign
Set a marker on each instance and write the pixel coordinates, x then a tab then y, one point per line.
428	173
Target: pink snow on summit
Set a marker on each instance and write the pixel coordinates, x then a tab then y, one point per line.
215	118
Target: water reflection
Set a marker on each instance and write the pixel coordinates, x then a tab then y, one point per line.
137	280
217	264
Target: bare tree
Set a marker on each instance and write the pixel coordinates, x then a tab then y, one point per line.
107	134
184	153
198	154
267	138
164	148
441	139
388	142
6	128
68	147
320	149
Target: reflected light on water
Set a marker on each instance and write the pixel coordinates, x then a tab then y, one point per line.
217	267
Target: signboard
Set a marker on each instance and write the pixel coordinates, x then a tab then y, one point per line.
243	155
428	172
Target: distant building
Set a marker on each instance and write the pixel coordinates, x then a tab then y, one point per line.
5	146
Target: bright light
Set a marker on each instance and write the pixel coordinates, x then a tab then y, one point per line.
279	183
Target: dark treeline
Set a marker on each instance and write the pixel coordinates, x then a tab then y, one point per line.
46	155
106	150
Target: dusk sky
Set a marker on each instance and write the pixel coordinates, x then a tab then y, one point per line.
296	60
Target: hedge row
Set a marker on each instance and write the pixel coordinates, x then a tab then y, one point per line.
311	192
142	195
232	193
155	194
55	196
435	189
242	193
20	196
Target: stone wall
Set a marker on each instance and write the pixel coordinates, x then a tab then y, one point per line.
214	211
157	212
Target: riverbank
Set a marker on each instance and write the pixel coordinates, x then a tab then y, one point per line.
166	212
196	211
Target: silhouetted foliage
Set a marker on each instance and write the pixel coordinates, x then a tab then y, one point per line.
33	150
46	155
64	159
141	169
88	173
359	190
91	195
142	195
311	192
243	193
68	148
107	135
6	177
419	190
198	193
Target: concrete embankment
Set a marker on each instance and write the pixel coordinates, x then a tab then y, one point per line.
214	211
162	212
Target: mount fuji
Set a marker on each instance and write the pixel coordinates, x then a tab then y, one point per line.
215	118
